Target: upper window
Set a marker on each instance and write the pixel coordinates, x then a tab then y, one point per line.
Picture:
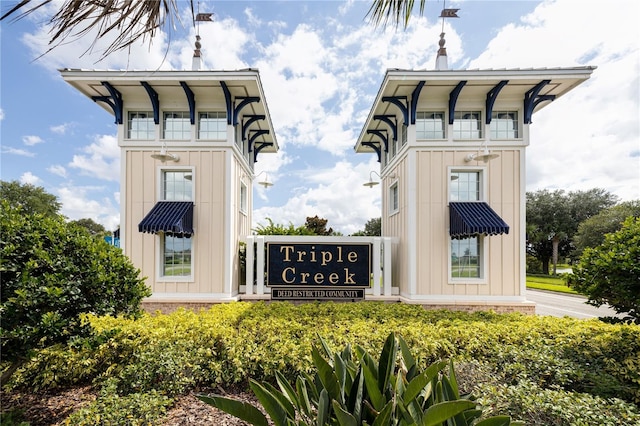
140	125
177	185
467	125
504	125
212	125
430	125
394	203
177	125
405	131
243	197
464	186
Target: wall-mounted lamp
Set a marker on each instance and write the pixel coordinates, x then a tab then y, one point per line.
264	182
372	182
164	155
485	156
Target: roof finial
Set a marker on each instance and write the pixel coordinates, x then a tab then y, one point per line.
197	54
441	59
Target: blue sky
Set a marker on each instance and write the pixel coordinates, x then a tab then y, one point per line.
321	66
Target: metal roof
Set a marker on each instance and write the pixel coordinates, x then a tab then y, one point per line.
170	86
413	86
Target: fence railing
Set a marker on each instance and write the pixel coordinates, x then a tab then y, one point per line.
256	267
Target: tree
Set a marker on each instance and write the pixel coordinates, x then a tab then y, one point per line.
52	272
279	229
318	226
553	218
373	228
610	273
32	199
91	226
125	20
592	231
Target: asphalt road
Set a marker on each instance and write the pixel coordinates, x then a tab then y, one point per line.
560	305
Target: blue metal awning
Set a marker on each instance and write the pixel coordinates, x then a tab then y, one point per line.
467	219
170	217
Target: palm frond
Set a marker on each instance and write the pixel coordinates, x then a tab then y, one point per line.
397	12
129	20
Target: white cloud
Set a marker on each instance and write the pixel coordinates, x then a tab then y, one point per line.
585	139
31	140
30	178
58	170
17	151
61	129
337	194
1	114
80	202
102	160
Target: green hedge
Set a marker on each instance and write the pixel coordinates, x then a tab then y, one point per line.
231	343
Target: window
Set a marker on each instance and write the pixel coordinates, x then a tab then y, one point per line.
466	259
243	197
177	261
140	125
405	131
177	185
394	204
212	125
430	125
464	186
504	125
177	125
467	125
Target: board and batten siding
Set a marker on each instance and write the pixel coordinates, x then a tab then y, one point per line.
502	186
142	190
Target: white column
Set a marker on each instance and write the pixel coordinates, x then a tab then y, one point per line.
376	266
248	263
260	265
386	247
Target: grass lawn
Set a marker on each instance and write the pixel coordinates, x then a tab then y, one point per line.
548	283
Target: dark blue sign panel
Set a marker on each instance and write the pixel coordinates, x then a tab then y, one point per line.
335	264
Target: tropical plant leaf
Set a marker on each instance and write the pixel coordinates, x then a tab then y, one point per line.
287	390
242	410
453	381
407	358
323	408
496	421
282	399
438	413
371	382
387	362
384	415
356	395
416	385
327	376
270	403
343	416
303	395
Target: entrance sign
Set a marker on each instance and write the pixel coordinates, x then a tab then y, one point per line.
323	264
290	266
